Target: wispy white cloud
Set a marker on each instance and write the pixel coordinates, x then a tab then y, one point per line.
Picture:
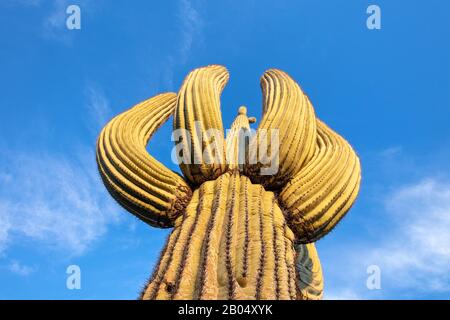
54	17
4	177
97	107
343	294
20	269
412	248
23	3
5	227
417	255
391	152
54	24
191	24
54	201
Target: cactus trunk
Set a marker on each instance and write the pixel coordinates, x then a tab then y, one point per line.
232	243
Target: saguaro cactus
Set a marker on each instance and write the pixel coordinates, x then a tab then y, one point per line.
237	233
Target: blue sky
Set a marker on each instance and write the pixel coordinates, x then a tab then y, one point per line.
386	91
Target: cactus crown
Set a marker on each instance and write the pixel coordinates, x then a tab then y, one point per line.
239	233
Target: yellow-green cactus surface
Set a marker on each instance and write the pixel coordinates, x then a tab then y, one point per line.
237	233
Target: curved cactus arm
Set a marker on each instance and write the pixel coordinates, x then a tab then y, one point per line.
199	118
138	182
288	112
324	190
309	272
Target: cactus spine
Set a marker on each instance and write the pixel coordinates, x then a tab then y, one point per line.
140	183
237	234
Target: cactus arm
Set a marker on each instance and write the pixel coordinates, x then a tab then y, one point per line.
309	272
286	109
324	190
138	182
198	111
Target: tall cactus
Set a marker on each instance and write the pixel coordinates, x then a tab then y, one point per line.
237	233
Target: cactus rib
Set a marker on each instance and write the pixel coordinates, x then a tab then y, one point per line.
197	111
286	109
134	178
321	193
